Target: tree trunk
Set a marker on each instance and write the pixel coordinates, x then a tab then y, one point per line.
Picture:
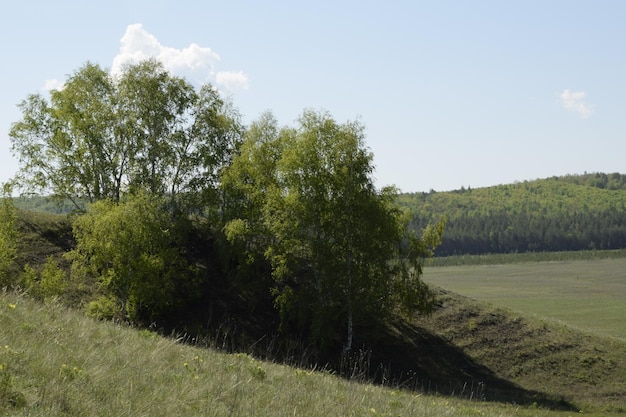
348	347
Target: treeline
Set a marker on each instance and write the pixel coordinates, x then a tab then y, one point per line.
180	212
573	212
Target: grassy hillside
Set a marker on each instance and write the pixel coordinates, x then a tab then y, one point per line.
536	353
53	361
410	356
56	362
553	214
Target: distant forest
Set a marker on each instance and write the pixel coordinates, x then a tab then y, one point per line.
566	213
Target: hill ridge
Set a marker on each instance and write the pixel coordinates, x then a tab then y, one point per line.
552	214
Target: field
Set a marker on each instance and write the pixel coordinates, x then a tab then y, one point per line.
589	295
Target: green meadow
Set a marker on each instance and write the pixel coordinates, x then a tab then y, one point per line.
589	295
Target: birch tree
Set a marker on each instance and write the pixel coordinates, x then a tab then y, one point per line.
102	136
335	243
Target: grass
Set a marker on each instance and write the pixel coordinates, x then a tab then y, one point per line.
57	362
536	354
54	361
42	235
588	295
508	258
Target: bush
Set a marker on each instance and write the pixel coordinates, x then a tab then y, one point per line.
29	280
51	282
102	308
8	239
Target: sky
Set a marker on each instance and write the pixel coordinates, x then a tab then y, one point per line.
452	93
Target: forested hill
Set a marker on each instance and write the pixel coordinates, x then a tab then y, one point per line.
573	212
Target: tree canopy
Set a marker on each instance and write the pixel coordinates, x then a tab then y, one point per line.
171	179
335	243
101	136
127	247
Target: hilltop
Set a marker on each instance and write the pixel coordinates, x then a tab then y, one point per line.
573	212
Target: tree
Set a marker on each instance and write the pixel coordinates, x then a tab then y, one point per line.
8	237
128	248
245	185
248	182
102	136
69	145
335	243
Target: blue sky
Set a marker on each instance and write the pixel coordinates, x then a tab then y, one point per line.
452	93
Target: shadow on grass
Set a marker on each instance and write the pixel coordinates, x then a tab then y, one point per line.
410	357
398	355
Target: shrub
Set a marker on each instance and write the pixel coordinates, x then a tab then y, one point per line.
51	282
102	308
8	238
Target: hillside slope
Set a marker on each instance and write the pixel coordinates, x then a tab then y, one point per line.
465	348
56	362
538	355
553	214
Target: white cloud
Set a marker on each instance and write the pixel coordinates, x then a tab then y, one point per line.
53	84
232	81
574	101
194	62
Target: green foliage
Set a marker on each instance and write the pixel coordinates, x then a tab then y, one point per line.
613	181
292	212
102	308
101	136
8	238
29	279
554	214
411	293
51	282
53	279
128	247
304	200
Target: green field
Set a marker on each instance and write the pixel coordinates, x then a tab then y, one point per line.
589	294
